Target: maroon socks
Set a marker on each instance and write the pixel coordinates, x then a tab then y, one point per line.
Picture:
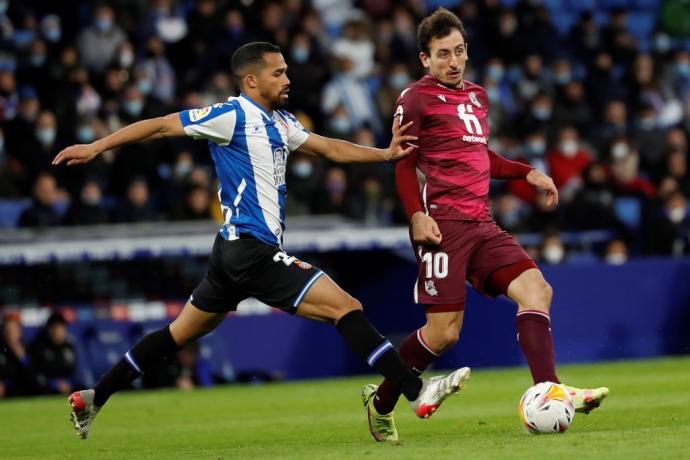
534	336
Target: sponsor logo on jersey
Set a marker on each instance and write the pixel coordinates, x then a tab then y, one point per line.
468	138
303	265
197	114
474	100
279	158
430	288
442	97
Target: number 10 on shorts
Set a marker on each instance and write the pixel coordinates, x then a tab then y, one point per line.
436	264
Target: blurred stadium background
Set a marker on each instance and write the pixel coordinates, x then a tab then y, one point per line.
595	93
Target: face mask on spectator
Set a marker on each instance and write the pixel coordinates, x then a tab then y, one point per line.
104	24
495	72
683	69
133	107
2	144
647	123
494	94
52	34
510	218
90	199
85	134
568	148
536	147
145	86
45	136
620	150
302	169
37	59
3	6
616	258
541	113
399	80
676	215
341	124
183	168
126	58
563	78
553	254
300	54
662	43
335	186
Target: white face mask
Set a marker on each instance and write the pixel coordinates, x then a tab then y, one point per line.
553	254
616	259
569	148
676	215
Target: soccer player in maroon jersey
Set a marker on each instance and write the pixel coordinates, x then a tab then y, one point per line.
452	233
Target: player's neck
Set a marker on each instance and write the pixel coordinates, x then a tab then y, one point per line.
258	101
460	85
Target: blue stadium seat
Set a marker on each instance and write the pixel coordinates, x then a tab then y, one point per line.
611	4
629	211
563	21
648	5
582	5
641	25
433	4
553	5
104	344
10	210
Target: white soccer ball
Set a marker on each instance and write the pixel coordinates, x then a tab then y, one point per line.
546	408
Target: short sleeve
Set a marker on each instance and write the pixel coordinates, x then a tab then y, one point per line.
214	122
409	108
297	135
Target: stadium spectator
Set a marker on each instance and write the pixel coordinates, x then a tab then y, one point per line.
89	208
137	207
552	249
53	357
335	197
196	206
46	197
670	230
16	376
98	43
616	252
567	160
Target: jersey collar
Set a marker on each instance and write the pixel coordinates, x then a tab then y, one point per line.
438	83
257	105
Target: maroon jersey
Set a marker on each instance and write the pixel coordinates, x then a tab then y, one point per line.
453	131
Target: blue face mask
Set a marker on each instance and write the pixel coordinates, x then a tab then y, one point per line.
85	134
541	113
104	24
4	4
495	72
37	60
145	87
683	69
133	107
300	54
53	35
563	78
535	148
662	43
399	80
45	136
341	124
302	169
494	94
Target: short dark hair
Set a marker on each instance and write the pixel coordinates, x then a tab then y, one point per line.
249	55
438	25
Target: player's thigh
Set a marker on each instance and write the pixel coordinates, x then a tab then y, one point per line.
326	301
497	261
442	268
193	323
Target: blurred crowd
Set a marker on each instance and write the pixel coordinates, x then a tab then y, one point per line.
601	105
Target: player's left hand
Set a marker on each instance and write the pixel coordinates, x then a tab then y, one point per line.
543	182
396	149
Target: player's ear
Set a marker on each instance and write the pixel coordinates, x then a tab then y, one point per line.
250	80
424	59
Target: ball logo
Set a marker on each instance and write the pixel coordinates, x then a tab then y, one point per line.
197	114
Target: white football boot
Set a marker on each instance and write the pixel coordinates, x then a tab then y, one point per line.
436	389
83	411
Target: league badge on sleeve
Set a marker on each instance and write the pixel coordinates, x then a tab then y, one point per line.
197	114
474	100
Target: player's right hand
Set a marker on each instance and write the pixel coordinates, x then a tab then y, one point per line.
425	229
76	154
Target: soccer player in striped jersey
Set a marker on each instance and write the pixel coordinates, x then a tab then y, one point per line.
250	138
452	233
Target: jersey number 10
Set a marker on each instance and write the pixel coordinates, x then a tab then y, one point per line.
436	264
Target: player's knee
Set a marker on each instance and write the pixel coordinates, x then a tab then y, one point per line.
541	294
449	338
335	311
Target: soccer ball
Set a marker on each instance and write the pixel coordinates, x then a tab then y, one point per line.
546	408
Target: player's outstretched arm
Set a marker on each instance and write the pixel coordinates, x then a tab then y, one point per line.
544	183
346	152
153	128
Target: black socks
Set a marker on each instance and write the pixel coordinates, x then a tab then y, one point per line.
365	340
134	363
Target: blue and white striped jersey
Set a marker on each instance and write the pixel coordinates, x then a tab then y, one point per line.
249	147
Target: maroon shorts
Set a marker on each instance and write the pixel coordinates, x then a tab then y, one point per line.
471	251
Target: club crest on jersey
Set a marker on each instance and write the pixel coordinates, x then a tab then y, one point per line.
474	100
197	114
430	288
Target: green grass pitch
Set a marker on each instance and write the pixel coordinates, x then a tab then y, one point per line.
646	416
